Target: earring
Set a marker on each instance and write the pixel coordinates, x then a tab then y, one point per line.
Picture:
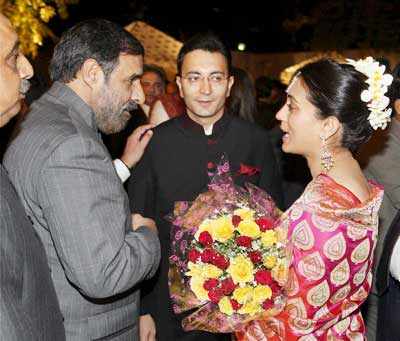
327	161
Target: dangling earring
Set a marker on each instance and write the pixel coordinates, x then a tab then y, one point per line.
327	161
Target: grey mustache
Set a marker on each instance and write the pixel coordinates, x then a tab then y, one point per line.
131	106
25	85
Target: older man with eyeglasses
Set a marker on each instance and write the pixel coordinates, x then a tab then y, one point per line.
180	158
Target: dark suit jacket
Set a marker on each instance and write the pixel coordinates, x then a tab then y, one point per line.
29	308
175	167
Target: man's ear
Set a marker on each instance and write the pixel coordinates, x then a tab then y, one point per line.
179	83
231	80
91	73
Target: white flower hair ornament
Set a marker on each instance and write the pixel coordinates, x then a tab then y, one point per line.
378	84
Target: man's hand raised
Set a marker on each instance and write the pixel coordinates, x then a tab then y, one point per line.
136	144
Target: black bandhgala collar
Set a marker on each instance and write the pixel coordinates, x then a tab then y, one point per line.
192	128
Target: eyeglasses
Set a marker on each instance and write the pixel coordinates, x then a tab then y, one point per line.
214	79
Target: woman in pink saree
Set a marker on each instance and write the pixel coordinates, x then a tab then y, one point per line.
333	226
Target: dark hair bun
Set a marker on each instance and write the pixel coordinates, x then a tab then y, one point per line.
335	90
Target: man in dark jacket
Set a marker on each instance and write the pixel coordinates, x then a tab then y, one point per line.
179	159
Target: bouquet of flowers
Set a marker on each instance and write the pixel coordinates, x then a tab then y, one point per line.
228	259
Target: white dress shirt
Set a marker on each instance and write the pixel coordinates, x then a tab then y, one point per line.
122	170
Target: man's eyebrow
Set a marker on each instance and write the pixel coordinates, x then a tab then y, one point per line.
211	73
14	49
135	76
292	98
192	73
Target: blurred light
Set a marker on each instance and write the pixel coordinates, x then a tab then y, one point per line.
241	46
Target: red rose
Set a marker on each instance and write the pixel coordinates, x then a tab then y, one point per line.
215	295
236	220
248	170
220	261
275	287
243	241
208	255
205	238
194	255
255	256
228	286
263	277
265	224
210	284
268	304
235	304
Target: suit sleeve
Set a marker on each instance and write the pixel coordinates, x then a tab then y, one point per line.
87	212
141	192
15	324
271	178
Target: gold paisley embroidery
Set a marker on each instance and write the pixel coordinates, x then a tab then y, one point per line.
360	295
301	326
359	277
292	285
348	307
318	295
340	294
302	237
335	247
296	308
342	326
356	232
323	224
296	212
361	252
341	273
312	266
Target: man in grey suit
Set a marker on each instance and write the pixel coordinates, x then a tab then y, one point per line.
28	303
383	166
68	184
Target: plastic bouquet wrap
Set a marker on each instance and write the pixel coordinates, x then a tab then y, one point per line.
227	258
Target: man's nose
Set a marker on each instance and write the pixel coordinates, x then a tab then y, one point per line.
205	86
25	68
137	93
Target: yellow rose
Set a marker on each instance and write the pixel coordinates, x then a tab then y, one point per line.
249	228
250	308
211	271
269	261
225	306
243	295
262	293
195	270
204	226
196	284
222	228
280	272
241	269
268	238
244	213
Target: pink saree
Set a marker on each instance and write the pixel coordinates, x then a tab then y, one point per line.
333	238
